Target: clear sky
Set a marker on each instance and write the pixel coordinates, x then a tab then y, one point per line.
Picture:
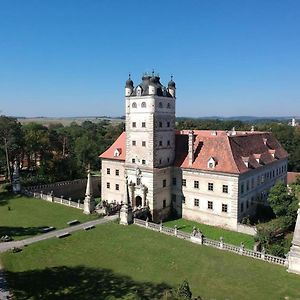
72	57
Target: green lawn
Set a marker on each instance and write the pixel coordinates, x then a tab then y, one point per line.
114	260
27	216
231	237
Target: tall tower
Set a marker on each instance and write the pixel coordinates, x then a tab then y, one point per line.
150	142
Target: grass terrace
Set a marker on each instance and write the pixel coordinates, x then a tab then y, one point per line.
212	232
22	217
112	261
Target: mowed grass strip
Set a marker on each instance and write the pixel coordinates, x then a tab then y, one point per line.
115	260
212	232
22	217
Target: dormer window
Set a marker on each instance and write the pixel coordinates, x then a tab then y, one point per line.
211	164
143	104
117	152
138	91
134	105
246	160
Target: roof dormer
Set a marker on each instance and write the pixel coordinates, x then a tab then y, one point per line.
211	164
117	152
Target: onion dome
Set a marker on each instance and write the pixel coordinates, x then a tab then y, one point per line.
129	83
171	83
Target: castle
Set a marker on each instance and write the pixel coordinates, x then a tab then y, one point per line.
214	177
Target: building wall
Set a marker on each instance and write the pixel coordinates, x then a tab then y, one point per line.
111	194
202	213
255	185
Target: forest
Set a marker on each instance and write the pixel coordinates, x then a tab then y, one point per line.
57	152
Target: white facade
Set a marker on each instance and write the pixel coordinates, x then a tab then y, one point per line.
208	196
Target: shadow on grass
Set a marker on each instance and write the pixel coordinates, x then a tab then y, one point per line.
79	283
20	231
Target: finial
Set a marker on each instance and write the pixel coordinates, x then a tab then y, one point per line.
129	75
172	77
152	72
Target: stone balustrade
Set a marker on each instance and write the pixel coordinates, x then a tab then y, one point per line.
200	239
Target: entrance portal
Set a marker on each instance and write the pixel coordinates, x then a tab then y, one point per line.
138	201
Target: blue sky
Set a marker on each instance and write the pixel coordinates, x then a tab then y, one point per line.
72	58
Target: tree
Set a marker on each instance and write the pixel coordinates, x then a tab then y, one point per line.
280	199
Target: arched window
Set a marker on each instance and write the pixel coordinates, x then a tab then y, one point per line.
134	105
168	105
160	105
143	104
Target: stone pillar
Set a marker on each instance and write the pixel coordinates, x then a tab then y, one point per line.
89	202
221	242
126	215
294	254
78	204
175	230
16	185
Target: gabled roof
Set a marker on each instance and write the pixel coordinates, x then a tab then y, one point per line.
120	145
232	153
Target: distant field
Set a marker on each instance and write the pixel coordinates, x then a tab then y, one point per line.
67	121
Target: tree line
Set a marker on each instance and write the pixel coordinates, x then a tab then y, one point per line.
57	152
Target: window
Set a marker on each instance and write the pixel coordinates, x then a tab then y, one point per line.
165	203
183	182
183	199
160	124
209	204
143	124
168	143
173	197
225	188
224	208
134	105
143	104
242	207
210	186
133	124
108	171
160	105
196	202
252	183
242	188
160	161
160	143
168	124
168	105
133	143
168	159
143	162
108	185
196	184
164	183
247	204
247	186
117	187
174	180
252	200
133	160
117	172
144	143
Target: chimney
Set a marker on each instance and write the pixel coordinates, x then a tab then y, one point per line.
191	147
252	128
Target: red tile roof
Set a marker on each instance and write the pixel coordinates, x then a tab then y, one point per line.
230	152
119	144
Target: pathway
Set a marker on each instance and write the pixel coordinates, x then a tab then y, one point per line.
9	245
4	291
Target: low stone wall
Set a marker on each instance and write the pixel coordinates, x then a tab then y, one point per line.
51	198
201	240
251	230
69	189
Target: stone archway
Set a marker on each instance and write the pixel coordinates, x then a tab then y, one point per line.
138	201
